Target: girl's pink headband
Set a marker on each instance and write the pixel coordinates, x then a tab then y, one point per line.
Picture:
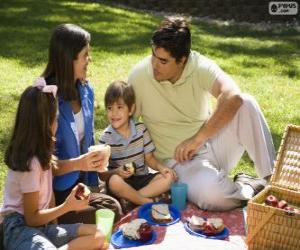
40	83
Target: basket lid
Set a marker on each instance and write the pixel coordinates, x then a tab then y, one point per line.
287	165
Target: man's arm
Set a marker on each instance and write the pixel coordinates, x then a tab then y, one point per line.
228	102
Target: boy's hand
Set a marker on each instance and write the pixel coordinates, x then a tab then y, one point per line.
124	173
74	204
165	171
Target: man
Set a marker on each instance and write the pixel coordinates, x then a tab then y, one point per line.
173	87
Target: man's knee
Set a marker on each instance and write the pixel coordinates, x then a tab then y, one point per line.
249	102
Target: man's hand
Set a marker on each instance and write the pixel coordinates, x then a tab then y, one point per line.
187	149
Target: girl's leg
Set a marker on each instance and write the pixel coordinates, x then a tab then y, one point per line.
88	237
121	189
158	185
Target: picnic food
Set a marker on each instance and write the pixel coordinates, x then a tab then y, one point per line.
271	200
211	226
130	167
82	192
161	213
137	229
196	223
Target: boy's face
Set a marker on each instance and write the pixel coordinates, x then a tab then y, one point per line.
118	114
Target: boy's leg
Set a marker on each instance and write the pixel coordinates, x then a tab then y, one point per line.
158	185
120	188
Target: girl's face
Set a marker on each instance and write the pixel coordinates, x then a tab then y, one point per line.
118	115
81	63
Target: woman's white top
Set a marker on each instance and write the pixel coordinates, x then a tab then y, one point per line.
79	123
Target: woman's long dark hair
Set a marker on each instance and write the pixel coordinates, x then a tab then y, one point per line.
32	133
66	42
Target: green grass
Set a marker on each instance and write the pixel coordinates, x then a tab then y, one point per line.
265	64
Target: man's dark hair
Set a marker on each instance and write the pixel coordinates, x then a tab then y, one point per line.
66	42
117	90
174	36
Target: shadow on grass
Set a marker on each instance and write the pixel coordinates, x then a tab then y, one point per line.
26	26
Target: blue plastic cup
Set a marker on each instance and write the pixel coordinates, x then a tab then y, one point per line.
179	195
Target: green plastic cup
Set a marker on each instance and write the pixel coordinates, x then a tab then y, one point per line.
105	221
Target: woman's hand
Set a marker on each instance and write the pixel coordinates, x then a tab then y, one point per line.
74	204
93	161
123	173
165	171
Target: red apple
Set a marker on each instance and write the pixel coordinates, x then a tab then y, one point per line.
289	209
209	229
282	204
271	200
82	192
145	232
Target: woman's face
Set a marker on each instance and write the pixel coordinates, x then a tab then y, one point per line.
81	63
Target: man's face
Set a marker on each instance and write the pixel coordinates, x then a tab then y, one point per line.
165	66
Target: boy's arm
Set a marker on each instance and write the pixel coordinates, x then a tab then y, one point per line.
153	163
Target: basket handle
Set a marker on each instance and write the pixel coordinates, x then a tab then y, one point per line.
261	225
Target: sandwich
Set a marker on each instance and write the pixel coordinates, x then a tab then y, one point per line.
160	213
137	229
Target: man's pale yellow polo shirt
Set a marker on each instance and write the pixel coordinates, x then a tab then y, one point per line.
173	112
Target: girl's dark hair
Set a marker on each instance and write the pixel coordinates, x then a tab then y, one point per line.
174	36
66	42
32	133
117	90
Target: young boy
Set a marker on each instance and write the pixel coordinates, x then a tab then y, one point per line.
131	144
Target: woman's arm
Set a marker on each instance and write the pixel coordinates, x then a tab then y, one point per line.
91	161
35	217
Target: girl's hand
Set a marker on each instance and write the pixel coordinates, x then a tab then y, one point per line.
74	204
123	173
93	161
165	171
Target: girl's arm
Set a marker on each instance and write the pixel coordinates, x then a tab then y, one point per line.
35	217
153	163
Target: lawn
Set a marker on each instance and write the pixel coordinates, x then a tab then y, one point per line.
265	64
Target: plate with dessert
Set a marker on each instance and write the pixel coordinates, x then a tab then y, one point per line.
133	234
157	213
212	228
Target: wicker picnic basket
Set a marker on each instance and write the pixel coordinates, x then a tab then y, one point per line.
274	228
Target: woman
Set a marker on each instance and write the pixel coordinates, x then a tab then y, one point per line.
67	67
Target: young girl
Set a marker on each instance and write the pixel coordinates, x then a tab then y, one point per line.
28	206
131	143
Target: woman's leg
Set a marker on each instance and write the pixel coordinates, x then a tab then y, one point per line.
158	185
120	188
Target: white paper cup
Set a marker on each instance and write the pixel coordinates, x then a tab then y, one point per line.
104	149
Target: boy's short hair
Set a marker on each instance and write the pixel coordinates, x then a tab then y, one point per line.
117	90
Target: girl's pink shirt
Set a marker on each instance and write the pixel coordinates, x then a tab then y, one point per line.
18	183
